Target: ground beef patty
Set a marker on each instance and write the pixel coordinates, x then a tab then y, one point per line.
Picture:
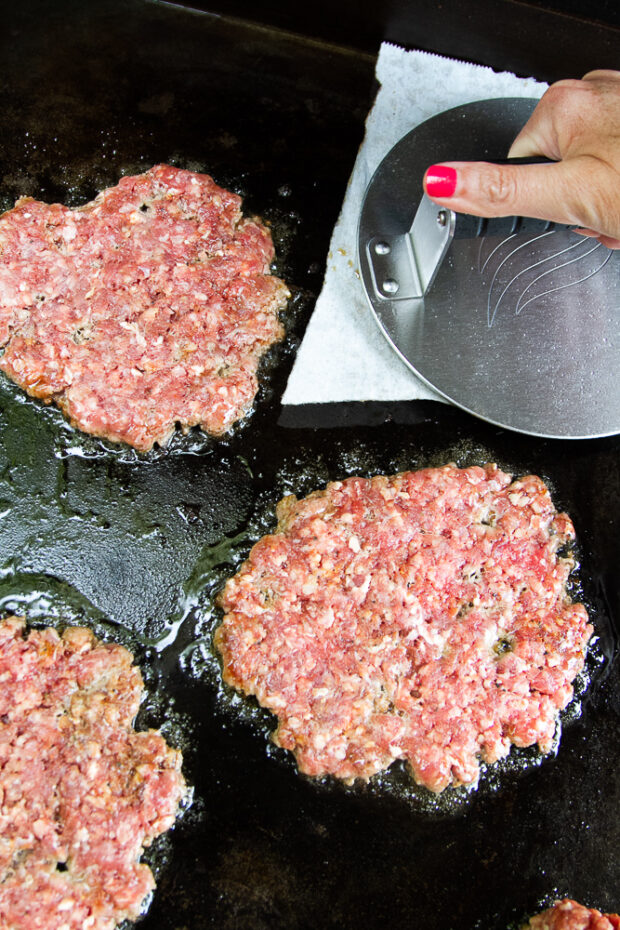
568	915
81	792
420	617
149	306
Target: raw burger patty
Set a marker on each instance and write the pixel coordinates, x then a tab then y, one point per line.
420	617
151	305
568	915
81	792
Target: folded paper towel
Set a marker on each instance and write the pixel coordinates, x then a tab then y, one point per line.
344	356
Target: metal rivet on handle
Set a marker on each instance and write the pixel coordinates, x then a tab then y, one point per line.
390	286
442	217
382	248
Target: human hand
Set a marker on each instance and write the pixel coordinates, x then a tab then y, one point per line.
577	125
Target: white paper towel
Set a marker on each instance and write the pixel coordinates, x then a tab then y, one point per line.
343	356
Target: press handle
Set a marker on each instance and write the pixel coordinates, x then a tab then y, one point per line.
468	226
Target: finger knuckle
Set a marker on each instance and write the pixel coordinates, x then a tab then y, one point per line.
565	85
501	187
563	92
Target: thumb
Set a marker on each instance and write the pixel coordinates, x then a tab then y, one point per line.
546	191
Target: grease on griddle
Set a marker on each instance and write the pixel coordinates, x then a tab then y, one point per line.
74	186
301	473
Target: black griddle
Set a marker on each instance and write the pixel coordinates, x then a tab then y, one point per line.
136	546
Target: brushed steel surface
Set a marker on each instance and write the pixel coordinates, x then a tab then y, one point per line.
523	332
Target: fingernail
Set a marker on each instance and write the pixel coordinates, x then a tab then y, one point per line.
440	181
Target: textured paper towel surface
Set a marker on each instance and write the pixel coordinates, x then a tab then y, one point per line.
344	356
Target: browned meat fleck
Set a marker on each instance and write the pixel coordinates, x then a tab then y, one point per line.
81	792
148	307
422	617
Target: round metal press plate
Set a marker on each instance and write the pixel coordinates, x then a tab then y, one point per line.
523	332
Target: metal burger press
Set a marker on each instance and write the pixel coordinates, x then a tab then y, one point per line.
515	320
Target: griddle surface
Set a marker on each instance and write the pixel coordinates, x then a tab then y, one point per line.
136	546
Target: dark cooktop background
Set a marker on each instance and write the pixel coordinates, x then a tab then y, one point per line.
550	39
136	546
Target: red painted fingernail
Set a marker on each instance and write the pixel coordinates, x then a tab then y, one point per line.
440	181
